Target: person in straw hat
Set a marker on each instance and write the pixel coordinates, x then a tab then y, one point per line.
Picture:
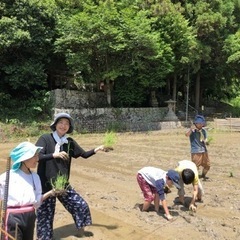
24	193
55	158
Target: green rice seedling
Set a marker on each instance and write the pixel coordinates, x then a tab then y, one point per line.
68	148
110	139
60	184
210	139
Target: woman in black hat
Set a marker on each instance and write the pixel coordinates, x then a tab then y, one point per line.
55	159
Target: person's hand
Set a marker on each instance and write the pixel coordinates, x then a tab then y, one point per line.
190	130
193	128
100	148
103	148
56	193
107	149
52	193
63	155
169	217
193	208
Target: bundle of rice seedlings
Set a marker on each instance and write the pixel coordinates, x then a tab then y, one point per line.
59	185
110	139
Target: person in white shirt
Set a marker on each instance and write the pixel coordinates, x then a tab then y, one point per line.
153	182
23	191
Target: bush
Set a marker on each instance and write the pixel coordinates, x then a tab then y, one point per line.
13	128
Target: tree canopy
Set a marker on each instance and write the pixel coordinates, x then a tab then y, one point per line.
139	45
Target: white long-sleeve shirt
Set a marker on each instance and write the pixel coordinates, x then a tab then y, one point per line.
152	174
156	177
24	189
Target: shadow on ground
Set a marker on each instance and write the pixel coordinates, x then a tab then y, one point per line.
70	230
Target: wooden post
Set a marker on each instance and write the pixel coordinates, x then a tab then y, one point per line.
5	200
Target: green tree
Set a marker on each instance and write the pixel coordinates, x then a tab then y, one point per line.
111	42
232	48
212	21
26	36
181	37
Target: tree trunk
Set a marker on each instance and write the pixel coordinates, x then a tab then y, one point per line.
108	91
197	91
174	95
168	87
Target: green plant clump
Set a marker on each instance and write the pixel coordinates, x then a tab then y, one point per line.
209	140
60	182
110	139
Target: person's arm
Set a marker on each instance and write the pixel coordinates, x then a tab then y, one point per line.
100	148
160	190
48	194
181	191
80	152
165	207
43	142
192	205
156	202
187	134
63	155
205	136
181	199
40	197
87	154
190	130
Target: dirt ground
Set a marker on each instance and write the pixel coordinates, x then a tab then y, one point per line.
108	183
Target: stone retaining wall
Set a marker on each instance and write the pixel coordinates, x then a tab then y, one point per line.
63	98
87	118
122	119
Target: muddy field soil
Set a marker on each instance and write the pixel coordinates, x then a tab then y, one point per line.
108	183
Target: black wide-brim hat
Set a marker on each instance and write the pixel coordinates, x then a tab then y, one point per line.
59	116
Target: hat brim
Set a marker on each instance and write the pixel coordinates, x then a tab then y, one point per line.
176	185
59	116
199	122
16	165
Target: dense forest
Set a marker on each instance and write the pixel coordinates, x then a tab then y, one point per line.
183	50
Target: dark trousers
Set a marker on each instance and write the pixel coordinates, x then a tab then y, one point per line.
20	222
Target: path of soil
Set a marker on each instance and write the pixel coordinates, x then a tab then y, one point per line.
108	182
